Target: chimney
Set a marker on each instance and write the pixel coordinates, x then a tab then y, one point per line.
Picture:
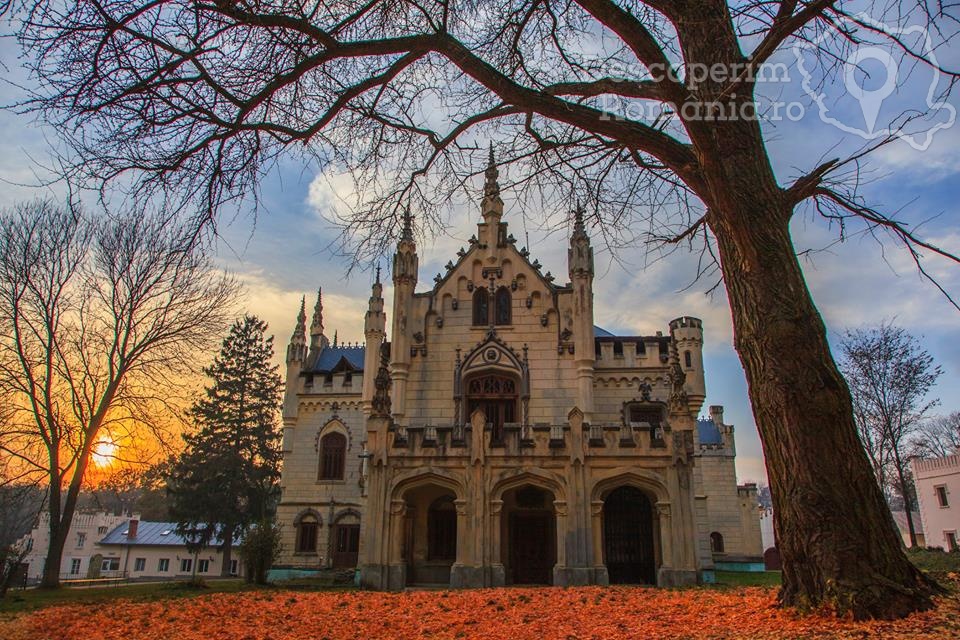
716	414
132	529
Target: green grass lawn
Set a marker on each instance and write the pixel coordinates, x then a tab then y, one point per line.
935	561
30	599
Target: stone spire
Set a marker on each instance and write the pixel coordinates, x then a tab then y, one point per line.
375	320
317	339
405	261
580	253
407	234
492	206
296	350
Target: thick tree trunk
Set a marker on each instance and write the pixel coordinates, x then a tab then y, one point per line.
907	498
834	529
56	533
227	554
835	533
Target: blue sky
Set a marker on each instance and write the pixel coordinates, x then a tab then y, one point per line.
285	252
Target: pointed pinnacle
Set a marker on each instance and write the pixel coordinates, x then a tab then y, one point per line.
407	233
378	275
317	322
491	188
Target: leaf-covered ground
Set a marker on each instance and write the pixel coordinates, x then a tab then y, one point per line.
516	614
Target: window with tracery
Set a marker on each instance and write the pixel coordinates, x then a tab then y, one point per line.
492	385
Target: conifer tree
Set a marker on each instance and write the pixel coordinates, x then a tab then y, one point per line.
227	478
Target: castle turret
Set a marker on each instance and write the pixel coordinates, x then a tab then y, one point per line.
580	267
296	355
318	341
687	334
726	430
374	331
405	265
491	207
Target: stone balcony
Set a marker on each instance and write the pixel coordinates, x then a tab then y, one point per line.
539	439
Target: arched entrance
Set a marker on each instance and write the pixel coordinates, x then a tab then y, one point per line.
529	529
496	395
628	540
430	534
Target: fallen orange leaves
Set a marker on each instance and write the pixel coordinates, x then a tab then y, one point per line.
569	614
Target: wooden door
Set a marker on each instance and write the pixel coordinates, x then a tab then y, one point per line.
346	545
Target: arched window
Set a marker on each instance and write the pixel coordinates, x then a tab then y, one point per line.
497	396
333	449
307	527
716	542
687	360
442	529
503	302
481	307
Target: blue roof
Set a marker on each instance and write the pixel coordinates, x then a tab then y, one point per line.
330	357
600	332
148	533
708	432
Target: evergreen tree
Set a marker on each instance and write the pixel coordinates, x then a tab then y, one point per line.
227	478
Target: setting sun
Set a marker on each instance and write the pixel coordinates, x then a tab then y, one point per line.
104	453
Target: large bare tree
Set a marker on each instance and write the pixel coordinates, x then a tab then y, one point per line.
201	97
890	376
939	437
99	319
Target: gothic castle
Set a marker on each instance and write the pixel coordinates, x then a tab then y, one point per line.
499	437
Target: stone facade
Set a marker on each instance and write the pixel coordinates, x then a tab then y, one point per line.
500	437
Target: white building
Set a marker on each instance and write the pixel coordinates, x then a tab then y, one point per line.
155	550
100	545
938	491
78	550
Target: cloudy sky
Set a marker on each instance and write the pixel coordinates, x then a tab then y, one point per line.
285	251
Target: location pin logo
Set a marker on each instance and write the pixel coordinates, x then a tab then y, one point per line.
870	101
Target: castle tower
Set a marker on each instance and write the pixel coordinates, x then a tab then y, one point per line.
580	267
687	334
726	430
374	331
491	208
318	341
296	355
405	265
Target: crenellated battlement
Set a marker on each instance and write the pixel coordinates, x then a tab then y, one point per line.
686	322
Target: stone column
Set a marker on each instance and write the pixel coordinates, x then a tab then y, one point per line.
666	546
560	577
396	564
498	574
600	575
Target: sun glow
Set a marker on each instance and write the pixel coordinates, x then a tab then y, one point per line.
104	453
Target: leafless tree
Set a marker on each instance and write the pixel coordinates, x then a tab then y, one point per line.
99	318
890	376
199	98
939	437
